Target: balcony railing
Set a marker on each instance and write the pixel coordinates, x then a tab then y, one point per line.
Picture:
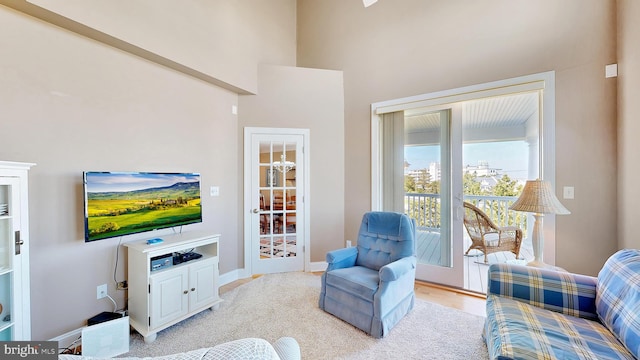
425	209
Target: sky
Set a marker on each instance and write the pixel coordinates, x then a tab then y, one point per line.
509	156
114	181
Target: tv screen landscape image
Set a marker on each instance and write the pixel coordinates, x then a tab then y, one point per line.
118	204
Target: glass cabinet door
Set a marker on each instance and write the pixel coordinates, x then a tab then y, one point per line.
9	215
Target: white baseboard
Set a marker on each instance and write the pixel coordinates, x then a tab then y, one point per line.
317	266
232	276
238	274
69	338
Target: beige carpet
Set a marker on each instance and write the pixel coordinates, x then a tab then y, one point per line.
287	305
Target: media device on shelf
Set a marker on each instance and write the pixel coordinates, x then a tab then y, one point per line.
124	203
161	262
179	258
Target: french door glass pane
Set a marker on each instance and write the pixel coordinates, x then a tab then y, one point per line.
278	203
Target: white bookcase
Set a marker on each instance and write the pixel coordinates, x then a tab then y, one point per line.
167	295
15	309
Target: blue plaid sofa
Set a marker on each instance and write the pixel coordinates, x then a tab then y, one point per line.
535	313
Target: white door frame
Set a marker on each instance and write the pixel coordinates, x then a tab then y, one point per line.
542	81
247	208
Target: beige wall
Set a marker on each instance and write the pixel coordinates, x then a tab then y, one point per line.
223	39
628	124
311	99
395	49
72	104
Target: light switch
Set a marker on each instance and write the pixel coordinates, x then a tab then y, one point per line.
611	70
567	192
214	191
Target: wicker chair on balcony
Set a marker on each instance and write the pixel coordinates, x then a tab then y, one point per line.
486	236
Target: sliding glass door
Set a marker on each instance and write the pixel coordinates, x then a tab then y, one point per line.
431	195
433	152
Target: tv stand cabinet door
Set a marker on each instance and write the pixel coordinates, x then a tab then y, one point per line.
202	277
169	297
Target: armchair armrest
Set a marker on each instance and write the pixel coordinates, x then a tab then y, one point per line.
393	271
397	281
559	291
342	258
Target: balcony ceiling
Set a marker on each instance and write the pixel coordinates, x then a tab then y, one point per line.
500	112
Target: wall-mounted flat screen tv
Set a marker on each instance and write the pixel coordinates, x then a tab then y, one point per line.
124	203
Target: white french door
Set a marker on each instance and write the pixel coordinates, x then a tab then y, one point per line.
275	227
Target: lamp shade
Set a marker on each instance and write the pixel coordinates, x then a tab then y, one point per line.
537	197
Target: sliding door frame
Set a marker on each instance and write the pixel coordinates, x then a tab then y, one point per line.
543	82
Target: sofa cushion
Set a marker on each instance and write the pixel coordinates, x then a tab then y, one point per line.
515	330
567	293
618	297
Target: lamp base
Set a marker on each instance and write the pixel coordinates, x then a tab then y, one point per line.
540	264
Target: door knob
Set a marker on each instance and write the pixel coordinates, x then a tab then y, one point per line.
255	211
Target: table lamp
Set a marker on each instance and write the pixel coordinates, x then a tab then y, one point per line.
538	198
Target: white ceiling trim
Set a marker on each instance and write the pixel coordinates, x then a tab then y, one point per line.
450	97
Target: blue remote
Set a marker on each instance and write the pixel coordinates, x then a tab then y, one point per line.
154	241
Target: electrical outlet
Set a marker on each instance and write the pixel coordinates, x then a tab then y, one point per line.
102	291
348	243
122	285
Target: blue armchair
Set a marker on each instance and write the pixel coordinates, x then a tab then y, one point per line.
371	286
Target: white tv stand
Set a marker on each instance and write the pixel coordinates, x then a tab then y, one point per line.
166	296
